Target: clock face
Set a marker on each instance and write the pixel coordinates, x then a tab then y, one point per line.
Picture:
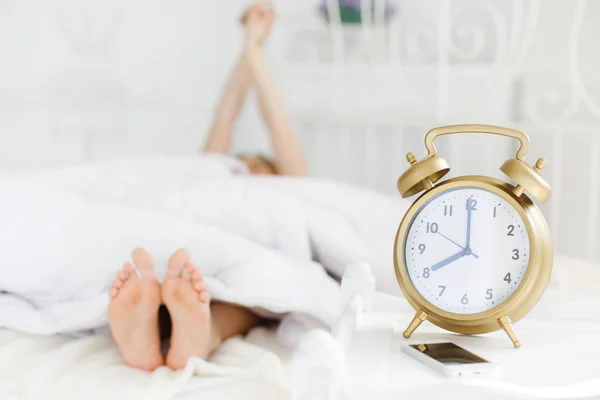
467	250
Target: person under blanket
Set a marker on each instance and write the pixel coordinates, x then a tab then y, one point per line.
252	70
143	313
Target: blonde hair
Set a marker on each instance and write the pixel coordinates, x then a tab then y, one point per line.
271	163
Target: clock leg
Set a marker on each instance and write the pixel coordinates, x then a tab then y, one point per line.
420	316
506	324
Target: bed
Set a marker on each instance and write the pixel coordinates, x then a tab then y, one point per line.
259	367
66	352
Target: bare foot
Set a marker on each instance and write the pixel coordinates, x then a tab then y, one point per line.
188	302
133	313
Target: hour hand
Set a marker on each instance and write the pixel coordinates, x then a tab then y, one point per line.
449	260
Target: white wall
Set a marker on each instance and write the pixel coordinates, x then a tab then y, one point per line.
94	79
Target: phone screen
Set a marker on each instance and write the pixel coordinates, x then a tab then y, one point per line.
448	353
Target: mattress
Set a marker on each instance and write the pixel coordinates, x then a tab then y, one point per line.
253	367
63	367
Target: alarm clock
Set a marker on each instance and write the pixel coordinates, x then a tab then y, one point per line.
473	254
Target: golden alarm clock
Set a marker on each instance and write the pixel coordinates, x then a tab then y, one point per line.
473	254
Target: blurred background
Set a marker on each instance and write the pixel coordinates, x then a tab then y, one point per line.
364	81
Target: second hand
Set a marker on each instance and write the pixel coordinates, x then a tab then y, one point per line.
447	238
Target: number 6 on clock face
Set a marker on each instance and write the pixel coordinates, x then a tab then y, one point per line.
466	250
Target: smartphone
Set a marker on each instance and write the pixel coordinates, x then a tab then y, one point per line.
452	360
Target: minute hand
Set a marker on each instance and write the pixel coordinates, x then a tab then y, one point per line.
469	202
449	260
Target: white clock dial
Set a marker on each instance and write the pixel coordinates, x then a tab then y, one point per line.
467	250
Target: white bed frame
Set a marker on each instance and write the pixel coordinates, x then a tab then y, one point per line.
366	95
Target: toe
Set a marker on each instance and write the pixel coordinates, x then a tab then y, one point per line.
129	268
113	292
189	268
118	284
192	270
199	286
204	297
177	262
121	275
143	261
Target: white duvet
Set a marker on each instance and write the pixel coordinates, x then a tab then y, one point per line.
65	233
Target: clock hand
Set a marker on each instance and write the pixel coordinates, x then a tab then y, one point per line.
449	260
447	238
468	245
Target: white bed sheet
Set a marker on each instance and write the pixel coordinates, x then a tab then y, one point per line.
255	367
62	367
